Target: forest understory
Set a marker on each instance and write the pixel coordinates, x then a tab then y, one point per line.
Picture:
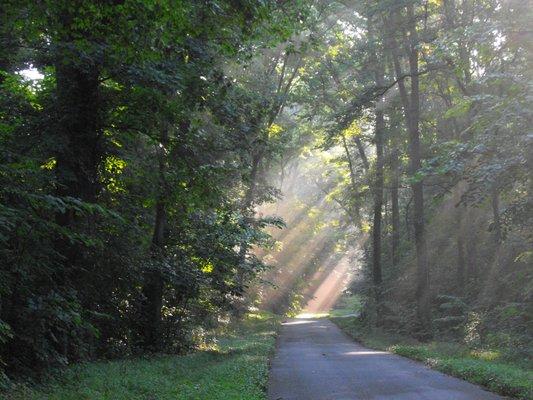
235	366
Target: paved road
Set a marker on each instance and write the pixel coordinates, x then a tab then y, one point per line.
316	361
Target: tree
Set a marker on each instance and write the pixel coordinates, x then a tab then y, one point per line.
120	206
411	108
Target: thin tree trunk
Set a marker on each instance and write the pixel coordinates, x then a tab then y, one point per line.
378	201
461	257
248	215
495	203
408	218
362	154
471	251
529	163
395	183
353	213
418	184
350	163
153	279
153	286
246	207
411	105
379	132
378	184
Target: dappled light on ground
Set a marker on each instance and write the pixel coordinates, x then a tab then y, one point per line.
299	322
306	315
364	353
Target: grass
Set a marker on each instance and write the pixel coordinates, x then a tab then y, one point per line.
236	368
476	366
347	306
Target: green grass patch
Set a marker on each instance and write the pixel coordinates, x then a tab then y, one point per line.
347	306
236	367
477	366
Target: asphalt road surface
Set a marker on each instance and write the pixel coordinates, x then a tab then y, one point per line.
316	361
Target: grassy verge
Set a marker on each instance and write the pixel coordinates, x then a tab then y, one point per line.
236	368
479	367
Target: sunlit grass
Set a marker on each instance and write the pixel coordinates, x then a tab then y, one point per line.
486	355
347	306
311	315
235	368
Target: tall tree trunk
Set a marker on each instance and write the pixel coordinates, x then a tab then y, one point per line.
495	203
248	216
411	105
378	203
353	211
79	129
471	256
153	279
246	207
79	125
379	132
362	153
395	173
79	152
529	164
153	285
395	183
408	218
461	256
418	184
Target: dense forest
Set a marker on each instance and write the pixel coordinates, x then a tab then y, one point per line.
418	115
145	148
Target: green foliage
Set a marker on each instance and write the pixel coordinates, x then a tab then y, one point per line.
233	366
347	306
125	188
450	314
